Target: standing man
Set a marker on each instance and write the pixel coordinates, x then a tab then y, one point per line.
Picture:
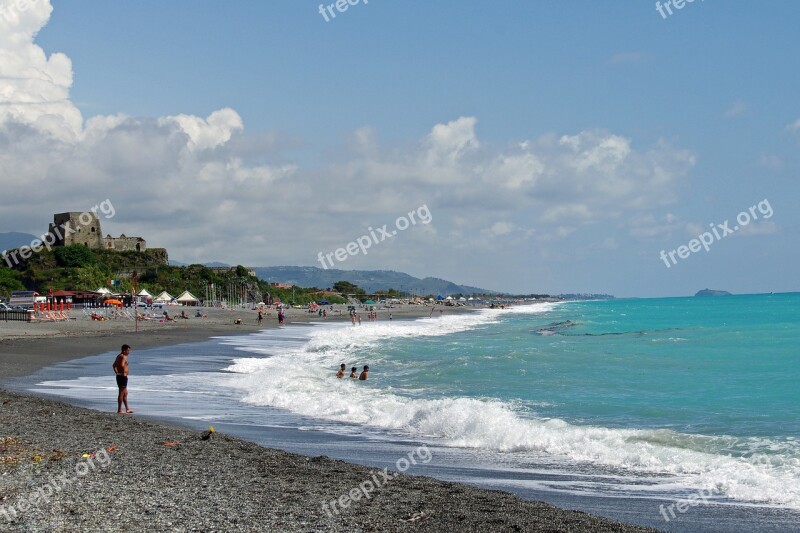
120	367
363	376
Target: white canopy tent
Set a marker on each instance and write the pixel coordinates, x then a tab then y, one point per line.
187	298
103	290
163	297
145	294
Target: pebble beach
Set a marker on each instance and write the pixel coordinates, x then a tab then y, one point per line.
66	468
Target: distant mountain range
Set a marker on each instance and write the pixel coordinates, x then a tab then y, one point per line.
174	263
369	280
15	239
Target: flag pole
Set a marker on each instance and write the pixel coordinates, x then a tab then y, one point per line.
135	305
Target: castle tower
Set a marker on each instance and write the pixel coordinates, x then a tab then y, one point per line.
77	228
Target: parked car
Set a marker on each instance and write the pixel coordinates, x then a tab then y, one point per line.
24	299
4	307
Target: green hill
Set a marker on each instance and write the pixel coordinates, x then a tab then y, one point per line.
370	280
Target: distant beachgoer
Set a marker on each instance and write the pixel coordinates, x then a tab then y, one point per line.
280	317
238	322
120	367
390	316
260	318
358	317
354	373
340	373
353	317
363	376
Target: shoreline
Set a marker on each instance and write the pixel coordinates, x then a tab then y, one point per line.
28	347
155	475
299	485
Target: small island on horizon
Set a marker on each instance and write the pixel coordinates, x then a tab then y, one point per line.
711	292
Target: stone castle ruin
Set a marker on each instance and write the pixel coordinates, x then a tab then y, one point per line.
84	228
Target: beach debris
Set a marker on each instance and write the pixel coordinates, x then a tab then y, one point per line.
417	517
172	443
6	402
37	458
111	449
13	451
56	455
207	435
7	443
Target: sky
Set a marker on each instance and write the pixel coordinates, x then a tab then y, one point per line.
542	146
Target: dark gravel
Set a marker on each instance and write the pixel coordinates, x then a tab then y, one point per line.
222	483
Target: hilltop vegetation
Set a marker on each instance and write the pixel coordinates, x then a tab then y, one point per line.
78	268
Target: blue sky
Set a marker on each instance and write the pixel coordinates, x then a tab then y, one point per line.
559	146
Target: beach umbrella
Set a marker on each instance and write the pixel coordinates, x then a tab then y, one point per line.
113	302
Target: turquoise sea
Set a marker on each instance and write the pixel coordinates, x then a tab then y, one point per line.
636	399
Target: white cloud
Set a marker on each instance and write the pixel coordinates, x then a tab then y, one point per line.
449	142
757	228
648	226
34	88
770	161
207	190
205	134
736	109
608	244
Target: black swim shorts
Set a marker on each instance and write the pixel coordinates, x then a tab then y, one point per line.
122	381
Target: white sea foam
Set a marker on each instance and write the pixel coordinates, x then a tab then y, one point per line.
298	378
